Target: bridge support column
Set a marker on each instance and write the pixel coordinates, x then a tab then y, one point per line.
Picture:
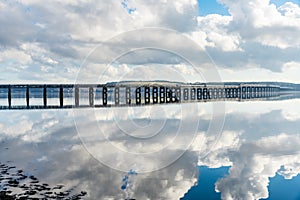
173	95
208	93
27	96
76	96
215	93
61	96
155	94
9	96
44	96
205	93
178	94
199	93
186	94
117	95
219	93
193	94
138	96
128	98
235	95
147	95
91	96
226	92
162	94
104	96
168	95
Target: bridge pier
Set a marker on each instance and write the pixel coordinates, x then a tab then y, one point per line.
27	96
61	96
185	94
178	94
199	94
138	96
128	95
9	97
104	96
155	95
168	95
193	94
91	96
44	96
147	95
76	96
162	94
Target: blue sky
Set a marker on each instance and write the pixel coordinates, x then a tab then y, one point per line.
280	2
214	7
211	7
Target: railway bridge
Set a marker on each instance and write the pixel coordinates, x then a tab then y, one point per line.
118	94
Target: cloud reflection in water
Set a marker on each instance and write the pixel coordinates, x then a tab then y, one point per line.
46	144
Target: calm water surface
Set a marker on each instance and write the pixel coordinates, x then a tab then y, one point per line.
48	154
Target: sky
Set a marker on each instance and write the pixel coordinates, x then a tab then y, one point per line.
186	40
212	7
246	40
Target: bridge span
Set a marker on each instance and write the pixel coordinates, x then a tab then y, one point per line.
63	96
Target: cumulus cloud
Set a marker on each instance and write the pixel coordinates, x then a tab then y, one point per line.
259	20
217	156
49	146
254	163
290	9
54	38
256	35
215	28
59	24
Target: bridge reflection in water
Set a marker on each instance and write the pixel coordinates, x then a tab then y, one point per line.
62	96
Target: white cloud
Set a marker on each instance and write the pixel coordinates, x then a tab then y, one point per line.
291	113
258	20
257	35
242	39
217	34
14	55
56	36
289	73
254	163
49	146
290	9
